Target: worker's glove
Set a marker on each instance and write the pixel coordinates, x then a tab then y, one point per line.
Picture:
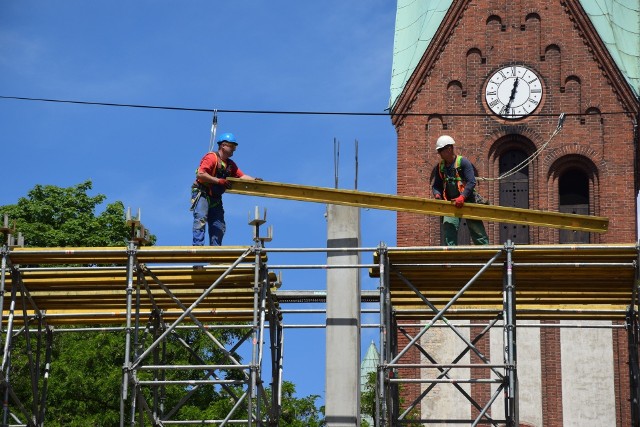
459	201
223	182
438	196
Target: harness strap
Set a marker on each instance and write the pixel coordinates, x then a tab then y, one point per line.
448	179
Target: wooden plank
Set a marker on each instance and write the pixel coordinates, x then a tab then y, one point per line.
418	205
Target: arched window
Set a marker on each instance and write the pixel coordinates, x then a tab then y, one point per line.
514	192
573	186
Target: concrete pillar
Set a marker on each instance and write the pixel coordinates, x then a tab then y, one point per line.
342	399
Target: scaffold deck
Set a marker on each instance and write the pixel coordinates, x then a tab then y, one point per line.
89	285
551	281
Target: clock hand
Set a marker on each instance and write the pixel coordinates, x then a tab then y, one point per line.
505	110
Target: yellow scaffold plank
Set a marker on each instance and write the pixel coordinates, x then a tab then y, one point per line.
419	205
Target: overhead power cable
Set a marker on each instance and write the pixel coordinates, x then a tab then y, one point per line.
526	162
328	113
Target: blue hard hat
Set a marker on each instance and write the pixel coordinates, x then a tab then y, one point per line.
227	137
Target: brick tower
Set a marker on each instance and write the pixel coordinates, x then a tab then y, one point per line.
456	74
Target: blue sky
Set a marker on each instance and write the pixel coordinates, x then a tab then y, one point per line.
320	56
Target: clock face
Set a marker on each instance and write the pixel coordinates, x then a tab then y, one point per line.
513	92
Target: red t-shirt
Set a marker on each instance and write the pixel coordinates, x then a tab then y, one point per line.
209	164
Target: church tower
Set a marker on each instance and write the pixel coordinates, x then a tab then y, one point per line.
551	56
543	97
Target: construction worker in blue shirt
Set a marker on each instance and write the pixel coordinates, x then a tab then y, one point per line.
455	181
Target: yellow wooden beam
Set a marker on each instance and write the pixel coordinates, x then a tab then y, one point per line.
419	205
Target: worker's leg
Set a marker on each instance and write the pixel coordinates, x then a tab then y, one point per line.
200	211
217	226
477	232
450	225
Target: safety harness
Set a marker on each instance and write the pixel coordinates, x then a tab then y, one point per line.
213	193
451	182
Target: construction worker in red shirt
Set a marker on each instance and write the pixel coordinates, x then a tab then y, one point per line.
206	192
455	181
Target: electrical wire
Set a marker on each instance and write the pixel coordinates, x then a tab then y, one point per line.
327	113
526	162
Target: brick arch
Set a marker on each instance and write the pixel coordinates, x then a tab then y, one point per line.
552	159
473	72
572	86
533	25
594	116
553	65
494	20
573	161
585	164
505	139
493	28
500	146
572	78
552	48
454	95
474	51
533	16
454	85
510	142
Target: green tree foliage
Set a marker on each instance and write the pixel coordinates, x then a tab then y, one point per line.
368	399
84	385
52	216
299	412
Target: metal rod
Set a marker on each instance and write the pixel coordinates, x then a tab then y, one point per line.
487	406
446	307
131	253
198	367
443	365
190	382
445	320
319	266
510	357
445	380
381	392
190	308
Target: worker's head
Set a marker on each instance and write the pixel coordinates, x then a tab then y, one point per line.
227	137
443	142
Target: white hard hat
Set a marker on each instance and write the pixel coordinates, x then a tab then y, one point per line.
443	141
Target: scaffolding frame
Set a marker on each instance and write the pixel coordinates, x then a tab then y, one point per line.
235	284
409	291
152	301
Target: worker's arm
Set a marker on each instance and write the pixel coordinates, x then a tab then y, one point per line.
468	176
438	185
208	165
205	178
250	178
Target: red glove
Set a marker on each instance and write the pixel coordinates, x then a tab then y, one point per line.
459	201
224	183
438	196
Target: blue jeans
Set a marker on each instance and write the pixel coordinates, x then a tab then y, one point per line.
211	216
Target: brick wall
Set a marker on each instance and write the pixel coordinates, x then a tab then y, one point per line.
542	36
447	91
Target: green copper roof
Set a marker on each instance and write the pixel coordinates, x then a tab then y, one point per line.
616	21
618	24
416	23
369	363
